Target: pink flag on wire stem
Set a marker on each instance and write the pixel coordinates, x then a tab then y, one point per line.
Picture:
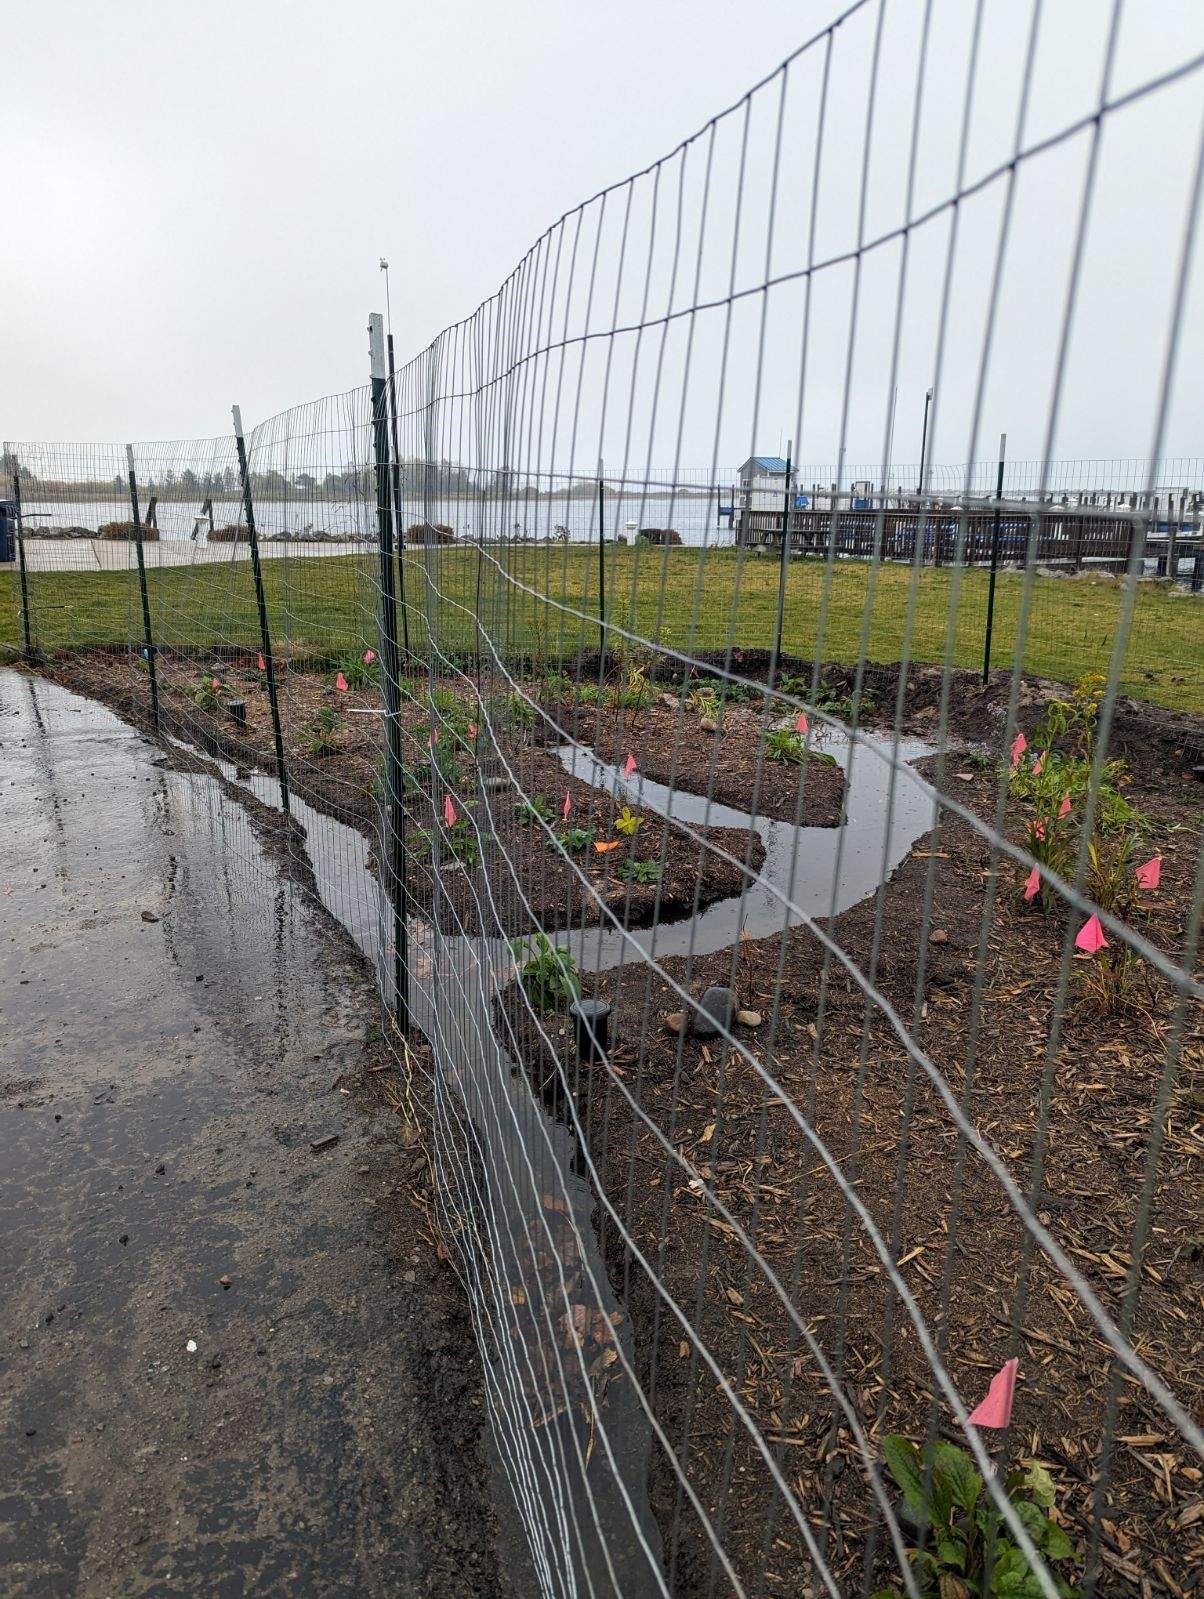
1091	936
1149	873
340	683
800	722
1032	884
1064	807
449	811
567	807
1019	745
996	1408
369	657
263	665
629	766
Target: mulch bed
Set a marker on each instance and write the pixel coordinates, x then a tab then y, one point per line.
737	1140
726	762
540	888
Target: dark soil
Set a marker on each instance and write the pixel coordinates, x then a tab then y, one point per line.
338	771
727	762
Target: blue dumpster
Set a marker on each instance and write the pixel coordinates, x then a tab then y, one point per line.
8	530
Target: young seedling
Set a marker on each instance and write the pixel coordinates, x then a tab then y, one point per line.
964	1546
210	693
628	823
547	972
533	810
573	840
640	871
320	732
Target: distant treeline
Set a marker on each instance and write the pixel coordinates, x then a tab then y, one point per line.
437	479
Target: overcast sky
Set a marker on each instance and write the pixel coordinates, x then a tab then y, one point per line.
197	196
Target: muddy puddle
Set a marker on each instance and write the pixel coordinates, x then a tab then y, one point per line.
579	1474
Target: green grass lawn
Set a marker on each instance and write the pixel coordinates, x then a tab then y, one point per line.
679	598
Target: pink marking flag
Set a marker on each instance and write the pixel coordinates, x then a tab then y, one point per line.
1149	873
1064	807
629	766
801	723
449	811
1091	936
369	657
263	665
996	1408
1019	745
340	683
567	807
1038	765
472	730
1032	884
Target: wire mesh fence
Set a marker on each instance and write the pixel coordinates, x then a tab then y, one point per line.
784	884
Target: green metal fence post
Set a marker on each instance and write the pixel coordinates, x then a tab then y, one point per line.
995	532
394	811
148	638
26	635
265	637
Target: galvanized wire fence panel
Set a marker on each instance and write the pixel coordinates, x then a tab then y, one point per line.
784	883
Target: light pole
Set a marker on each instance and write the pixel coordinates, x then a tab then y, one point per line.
924	440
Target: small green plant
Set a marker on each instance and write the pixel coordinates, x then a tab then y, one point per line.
533	810
635	688
320	732
705	703
782	744
641	871
628	823
357	672
573	840
547	972
794	683
450	708
460	841
967	1549
590	694
849	707
519	710
210	693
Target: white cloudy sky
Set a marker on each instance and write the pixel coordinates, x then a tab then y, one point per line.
196	197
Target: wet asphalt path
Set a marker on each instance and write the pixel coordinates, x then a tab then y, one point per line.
176	1025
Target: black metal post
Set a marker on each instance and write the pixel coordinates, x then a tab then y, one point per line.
396	479
781	611
995	532
924	440
1172	536
394	811
26	637
148	636
265	636
601	578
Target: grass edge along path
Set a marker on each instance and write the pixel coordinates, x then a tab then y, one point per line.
682	598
